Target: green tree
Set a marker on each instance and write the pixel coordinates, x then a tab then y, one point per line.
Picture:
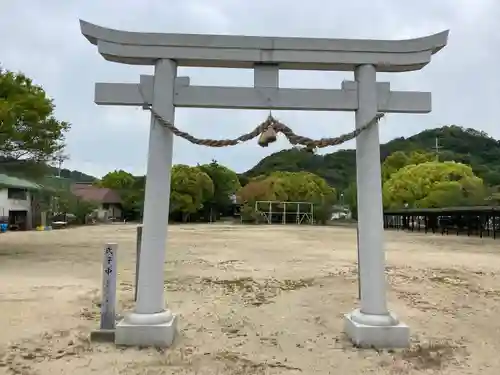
30	135
400	159
117	180
419	157
351	199
393	163
191	188
226	183
290	187
433	185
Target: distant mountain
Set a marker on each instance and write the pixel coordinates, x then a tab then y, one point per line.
463	145
37	171
74	176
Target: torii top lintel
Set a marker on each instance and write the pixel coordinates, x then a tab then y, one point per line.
232	51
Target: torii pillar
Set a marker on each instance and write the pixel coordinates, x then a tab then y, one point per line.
370	325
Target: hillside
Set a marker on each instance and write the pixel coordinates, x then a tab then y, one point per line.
37	171
75	176
468	146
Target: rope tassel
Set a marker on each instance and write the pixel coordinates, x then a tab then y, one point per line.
267	136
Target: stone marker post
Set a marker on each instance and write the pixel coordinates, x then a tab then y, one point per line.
106	331
108	302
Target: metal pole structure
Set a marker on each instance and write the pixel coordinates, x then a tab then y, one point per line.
137	258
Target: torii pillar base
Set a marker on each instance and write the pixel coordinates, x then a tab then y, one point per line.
380	332
140	330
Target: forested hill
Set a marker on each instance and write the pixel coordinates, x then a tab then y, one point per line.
74	176
26	169
467	146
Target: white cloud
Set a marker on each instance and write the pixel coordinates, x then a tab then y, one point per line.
47	45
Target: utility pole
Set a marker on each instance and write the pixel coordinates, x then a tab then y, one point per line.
436	148
60	158
59	165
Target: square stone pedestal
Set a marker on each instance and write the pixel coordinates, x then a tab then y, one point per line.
157	335
380	337
103	335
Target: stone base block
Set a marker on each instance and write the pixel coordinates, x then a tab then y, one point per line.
102	335
380	337
156	335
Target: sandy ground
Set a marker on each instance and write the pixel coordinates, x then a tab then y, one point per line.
252	300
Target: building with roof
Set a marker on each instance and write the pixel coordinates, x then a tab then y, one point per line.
108	201
16	202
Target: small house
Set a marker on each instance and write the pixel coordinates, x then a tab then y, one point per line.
16	202
108	201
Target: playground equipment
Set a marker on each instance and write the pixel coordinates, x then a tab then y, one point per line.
286	212
372	324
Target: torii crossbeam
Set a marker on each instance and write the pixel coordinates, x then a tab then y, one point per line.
370	325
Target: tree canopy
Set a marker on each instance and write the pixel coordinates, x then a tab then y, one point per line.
225	181
289	187
118	180
191	188
400	159
433	185
29	132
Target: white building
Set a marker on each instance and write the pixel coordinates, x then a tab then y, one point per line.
16	196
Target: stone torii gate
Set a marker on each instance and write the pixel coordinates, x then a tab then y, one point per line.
370	325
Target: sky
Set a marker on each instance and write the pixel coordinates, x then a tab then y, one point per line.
43	40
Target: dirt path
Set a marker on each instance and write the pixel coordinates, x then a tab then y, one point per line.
253	300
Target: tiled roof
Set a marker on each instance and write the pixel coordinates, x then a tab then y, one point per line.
14	182
95	193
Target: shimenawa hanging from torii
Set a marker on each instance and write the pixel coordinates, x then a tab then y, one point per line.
268	131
